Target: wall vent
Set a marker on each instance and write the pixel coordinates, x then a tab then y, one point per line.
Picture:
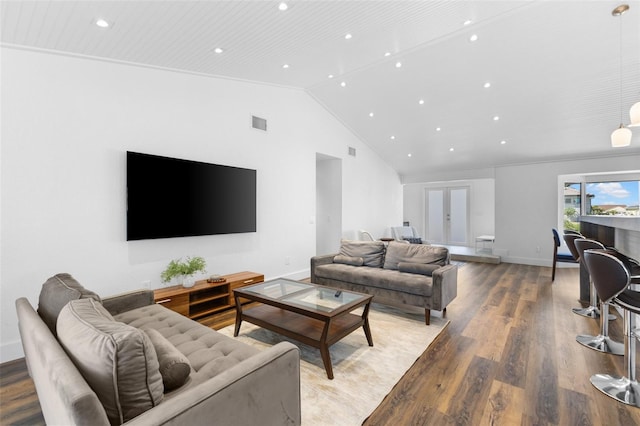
352	151
259	123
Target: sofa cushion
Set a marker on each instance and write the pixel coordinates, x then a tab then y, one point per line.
348	260
209	352
417	268
414	253
118	361
416	284
174	366
56	292
372	252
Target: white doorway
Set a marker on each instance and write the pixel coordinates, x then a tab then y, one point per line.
328	204
447	215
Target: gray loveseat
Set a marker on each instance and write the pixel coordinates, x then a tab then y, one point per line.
397	273
126	360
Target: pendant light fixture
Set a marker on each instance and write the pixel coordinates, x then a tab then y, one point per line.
621	136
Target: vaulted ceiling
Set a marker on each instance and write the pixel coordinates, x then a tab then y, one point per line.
544	80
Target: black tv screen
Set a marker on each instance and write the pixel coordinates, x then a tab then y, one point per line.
169	197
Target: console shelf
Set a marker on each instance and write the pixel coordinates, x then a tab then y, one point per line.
205	299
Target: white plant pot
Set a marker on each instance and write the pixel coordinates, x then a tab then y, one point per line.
188	281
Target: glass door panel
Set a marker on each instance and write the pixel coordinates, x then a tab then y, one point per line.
435	216
458	198
447	215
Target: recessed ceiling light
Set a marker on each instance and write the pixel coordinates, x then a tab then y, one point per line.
474	37
467	22
102	23
421	101
348	36
451	149
408	155
370	114
387	54
496	118
343	84
218	50
283	6
437	129
503	142
487	85
398	64
392	138
285	66
330	76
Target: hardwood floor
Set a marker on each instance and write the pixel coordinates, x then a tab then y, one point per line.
508	357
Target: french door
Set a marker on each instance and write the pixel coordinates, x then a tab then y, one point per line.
447	215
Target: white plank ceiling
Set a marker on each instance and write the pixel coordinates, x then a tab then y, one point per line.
554	66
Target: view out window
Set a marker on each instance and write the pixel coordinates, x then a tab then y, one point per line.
612	198
572	203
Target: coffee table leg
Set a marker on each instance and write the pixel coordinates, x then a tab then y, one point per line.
365	326
324	350
238	317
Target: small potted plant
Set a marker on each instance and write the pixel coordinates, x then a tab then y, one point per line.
184	270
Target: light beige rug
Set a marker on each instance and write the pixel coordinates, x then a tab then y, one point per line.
363	375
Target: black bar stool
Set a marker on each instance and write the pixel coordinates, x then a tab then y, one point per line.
611	278
602	342
592	310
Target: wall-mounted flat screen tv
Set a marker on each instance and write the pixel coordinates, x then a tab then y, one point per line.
170	197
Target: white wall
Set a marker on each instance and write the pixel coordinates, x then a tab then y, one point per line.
481	205
526	201
527	204
66	125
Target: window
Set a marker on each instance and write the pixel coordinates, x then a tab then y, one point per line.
572	205
612	198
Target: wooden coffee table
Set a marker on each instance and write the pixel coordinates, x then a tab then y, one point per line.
314	315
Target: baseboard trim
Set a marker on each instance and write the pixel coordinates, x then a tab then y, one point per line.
11	351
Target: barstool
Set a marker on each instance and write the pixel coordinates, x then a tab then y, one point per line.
602	342
611	278
592	310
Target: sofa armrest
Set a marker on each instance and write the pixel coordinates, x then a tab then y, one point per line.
264	389
65	397
445	286
324	259
127	301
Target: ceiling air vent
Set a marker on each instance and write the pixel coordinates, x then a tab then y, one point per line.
259	123
352	151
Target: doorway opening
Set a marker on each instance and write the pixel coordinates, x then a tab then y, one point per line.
328	204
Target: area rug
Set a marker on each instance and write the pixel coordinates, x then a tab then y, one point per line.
363	375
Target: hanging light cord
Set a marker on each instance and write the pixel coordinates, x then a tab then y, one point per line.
620	44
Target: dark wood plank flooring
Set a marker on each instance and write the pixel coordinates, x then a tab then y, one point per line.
509	357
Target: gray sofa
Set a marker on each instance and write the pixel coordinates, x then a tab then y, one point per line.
126	360
397	273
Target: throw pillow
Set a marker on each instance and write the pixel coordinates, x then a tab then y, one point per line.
372	252
56	292
117	360
413	240
418	268
174	366
415	253
348	260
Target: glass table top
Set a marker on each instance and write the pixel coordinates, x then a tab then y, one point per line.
304	295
